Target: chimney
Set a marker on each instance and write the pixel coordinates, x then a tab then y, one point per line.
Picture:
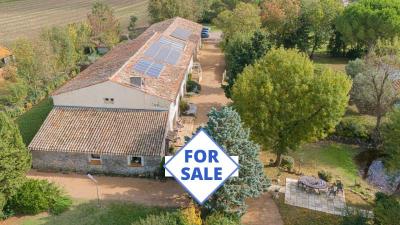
136	81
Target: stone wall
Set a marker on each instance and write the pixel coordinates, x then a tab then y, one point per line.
79	162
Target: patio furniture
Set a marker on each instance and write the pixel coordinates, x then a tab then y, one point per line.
314	184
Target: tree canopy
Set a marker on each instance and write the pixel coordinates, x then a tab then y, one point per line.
15	160
226	128
160	10
373	91
243	50
244	19
104	25
285	100
391	140
367	21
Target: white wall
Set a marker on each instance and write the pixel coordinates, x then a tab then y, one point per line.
124	97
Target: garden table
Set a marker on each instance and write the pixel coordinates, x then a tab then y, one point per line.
313	183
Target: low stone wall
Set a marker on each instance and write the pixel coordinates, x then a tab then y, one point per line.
79	162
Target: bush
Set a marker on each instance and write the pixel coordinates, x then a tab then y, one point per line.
162	219
60	205
191	215
36	196
387	209
354	217
353	128
183	106
287	163
193	86
325	175
220	219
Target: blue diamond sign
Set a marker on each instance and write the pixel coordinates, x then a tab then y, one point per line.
201	166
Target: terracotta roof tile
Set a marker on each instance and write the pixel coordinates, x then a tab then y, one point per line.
102	131
117	64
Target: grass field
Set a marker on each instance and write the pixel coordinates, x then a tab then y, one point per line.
25	18
335	63
30	122
89	213
339	159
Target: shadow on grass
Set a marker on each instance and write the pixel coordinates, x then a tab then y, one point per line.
110	212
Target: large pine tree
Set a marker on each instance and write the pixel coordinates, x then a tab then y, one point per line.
15	160
226	128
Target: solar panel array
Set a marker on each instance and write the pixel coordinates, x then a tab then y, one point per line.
163	51
149	68
181	33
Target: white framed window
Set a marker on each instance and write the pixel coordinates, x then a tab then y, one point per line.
95	159
135	161
108	100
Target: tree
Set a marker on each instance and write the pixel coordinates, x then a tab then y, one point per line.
243	50
285	100
132	27
386	210
160	10
14	157
366	21
391	141
104	26
63	46
226	128
36	66
244	19
373	90
355	67
318	17
280	17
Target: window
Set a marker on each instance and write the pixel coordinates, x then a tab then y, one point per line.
135	161
109	100
95	159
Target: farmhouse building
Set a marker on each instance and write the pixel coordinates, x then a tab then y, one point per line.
114	116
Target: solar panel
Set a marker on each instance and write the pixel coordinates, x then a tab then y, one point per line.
172	43
173	57
154	48
142	65
181	33
155	70
162	54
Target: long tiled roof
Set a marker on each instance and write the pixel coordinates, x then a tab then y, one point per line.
102	131
117	65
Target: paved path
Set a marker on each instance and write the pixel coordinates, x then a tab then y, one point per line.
262	211
138	190
212	95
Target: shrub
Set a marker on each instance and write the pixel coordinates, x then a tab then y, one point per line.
60	205
287	163
36	196
183	106
193	86
325	175
191	215
162	219
354	128
354	217
387	209
220	219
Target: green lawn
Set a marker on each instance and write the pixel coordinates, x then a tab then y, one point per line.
338	159
30	122
292	215
336	63
118	213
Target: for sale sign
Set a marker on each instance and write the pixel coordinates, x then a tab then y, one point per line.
201	166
